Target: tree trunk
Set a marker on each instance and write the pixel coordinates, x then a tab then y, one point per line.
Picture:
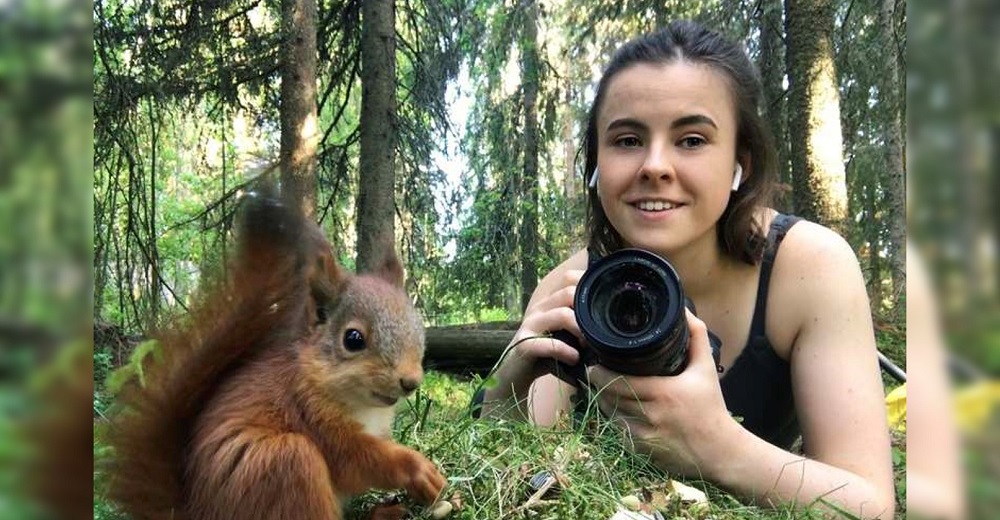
529	178
155	284
377	179
299	123
889	98
871	232
772	70
819	189
570	181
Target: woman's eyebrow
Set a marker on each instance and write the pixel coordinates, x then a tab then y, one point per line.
692	120
626	122
696	119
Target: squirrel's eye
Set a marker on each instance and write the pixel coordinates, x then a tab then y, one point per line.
354	340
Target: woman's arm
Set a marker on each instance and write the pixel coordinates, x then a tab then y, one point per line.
837	386
523	391
683	422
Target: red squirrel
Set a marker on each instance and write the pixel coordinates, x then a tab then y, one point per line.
275	399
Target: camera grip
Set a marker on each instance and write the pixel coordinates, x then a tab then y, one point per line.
713	339
575	375
716	344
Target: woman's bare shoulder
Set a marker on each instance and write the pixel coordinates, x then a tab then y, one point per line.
809	246
815	277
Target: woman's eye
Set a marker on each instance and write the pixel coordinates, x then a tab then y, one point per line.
692	141
628	141
354	340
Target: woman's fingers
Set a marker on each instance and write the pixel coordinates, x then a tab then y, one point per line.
552	314
618	394
562	297
636	388
544	323
549	347
636	429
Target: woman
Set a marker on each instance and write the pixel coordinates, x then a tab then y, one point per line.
679	163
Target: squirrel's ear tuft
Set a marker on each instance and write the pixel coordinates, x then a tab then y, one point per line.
390	269
324	273
325	276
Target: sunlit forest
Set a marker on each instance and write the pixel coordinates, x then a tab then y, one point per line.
451	129
481	169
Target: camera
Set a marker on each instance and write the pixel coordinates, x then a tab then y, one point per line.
629	306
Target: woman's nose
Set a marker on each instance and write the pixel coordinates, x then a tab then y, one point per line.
658	163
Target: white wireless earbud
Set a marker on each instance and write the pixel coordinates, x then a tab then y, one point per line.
738	177
593	178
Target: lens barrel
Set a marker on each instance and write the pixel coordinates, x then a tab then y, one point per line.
630	307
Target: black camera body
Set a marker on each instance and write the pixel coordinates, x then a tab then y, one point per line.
629	306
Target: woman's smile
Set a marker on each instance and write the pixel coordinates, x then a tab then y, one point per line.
655	209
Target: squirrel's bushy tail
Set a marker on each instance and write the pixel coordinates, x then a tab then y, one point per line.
262	301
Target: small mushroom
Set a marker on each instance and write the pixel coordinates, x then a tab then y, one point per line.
441	510
688	494
632	502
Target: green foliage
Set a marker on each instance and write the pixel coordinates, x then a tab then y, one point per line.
103	509
186	112
891	341
134	368
15	453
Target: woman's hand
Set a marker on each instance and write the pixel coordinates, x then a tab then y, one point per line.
549	311
679	420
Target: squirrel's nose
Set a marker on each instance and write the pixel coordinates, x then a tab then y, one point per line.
409	384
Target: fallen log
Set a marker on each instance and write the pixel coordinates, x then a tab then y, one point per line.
457	349
467	349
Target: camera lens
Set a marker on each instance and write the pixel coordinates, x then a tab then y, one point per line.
630	308
629	311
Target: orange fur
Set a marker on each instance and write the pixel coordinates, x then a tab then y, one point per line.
258	409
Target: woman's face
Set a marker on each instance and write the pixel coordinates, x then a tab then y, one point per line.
666	152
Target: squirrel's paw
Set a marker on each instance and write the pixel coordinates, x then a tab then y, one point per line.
423	480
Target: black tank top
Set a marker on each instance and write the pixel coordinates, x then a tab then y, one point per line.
758	386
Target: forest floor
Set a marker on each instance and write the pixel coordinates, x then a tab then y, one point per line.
489	464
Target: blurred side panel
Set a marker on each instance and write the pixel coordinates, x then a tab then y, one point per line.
953	154
46	149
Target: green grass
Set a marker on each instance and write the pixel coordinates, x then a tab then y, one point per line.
488	464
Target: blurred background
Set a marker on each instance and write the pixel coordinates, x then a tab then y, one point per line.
953	182
47	63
